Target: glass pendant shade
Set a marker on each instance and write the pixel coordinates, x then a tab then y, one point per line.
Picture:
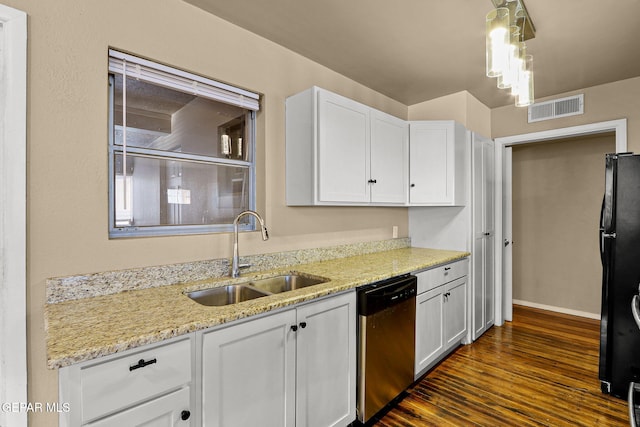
525	85
497	40
518	67
509	76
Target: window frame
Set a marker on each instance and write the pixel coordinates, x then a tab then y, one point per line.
244	99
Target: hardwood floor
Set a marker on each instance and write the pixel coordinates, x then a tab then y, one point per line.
539	370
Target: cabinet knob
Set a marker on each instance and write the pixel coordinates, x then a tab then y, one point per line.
412	185
294	328
303	325
184	415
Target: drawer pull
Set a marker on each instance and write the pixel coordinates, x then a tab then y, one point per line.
447	268
142	363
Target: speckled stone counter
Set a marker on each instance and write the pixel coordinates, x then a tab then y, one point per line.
83	329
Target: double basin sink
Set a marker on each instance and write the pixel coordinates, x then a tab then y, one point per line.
252	289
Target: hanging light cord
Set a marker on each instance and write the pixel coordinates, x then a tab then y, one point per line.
124	133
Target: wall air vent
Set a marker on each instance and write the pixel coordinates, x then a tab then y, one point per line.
562	107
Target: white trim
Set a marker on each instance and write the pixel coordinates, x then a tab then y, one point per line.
13	335
562	310
503	300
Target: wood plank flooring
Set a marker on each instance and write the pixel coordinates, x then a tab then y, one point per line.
539	370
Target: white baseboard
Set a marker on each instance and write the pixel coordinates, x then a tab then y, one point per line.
563	310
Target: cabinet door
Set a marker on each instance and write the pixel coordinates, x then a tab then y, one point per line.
477	294
389	158
489	209
483	282
439	163
429	328
326	362
343	150
171	410
455	311
431	164
249	373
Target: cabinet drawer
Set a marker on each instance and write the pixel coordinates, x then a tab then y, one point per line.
440	275
169	410
119	383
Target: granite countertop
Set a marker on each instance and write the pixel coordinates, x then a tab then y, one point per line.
84	329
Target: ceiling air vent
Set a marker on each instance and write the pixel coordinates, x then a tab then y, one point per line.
562	107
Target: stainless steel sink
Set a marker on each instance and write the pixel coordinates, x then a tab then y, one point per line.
286	282
245	291
225	295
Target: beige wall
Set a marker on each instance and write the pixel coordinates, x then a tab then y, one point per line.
557	193
611	101
67	144
462	107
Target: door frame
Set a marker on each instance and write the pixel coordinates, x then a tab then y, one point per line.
13	236
504	300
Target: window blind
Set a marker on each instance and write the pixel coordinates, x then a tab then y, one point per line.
184	81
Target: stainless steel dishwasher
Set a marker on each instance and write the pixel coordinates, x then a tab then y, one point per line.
386	342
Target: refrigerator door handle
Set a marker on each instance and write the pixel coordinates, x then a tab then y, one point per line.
635	309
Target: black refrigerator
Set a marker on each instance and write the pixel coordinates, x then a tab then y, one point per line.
620	253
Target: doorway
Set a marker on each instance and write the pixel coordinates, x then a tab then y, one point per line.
557	193
504	293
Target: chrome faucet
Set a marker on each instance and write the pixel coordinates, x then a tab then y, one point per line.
235	263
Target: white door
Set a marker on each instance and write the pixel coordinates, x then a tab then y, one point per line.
389	159
326	362
483	260
13	173
488	148
343	150
248	376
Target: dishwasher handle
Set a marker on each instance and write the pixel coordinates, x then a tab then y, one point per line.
379	296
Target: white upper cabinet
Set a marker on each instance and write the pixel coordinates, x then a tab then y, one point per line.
439	163
341	152
389	158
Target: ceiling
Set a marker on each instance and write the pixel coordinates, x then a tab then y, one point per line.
417	50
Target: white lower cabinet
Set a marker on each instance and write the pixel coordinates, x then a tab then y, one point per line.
295	367
441	313
165	411
148	386
429	328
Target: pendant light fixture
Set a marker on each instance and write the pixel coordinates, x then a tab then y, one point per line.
507	27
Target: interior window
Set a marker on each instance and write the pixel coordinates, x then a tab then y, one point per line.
181	150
